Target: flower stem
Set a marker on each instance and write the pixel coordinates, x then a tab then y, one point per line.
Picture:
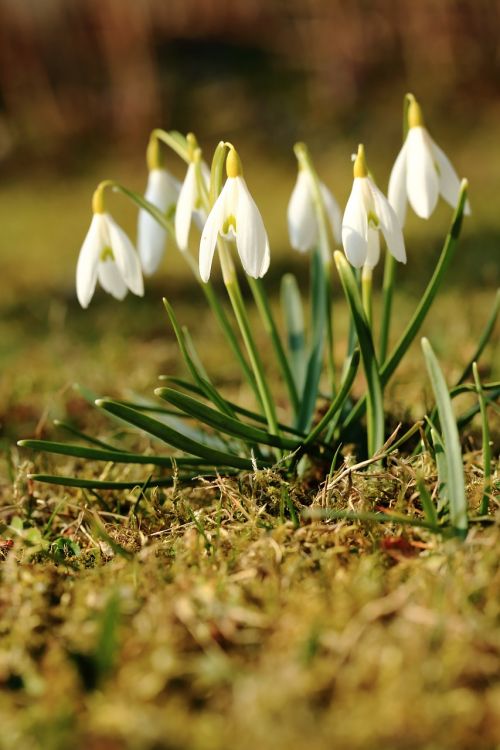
413	326
262	303
325	250
224	324
236	298
387	295
366	293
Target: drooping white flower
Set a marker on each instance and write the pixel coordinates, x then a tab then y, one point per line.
367	213
235	215
108	256
421	172
162	191
302	220
190	201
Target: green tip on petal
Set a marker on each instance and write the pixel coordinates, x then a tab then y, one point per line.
233	163
360	169
415	116
154	154
98	202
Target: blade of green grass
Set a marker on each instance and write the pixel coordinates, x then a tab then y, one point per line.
483	508
315	361
427	504
375	406
483	339
454	462
369	517
83	436
442	468
339	400
221	422
118	457
293	315
262	302
99	484
209	390
174	438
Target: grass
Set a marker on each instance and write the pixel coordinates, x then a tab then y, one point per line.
218	614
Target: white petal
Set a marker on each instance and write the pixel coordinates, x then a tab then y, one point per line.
449	183
373	245
251	236
199	218
88	260
397	185
333	212
355	224
302	225
422	181
212	227
125	257
185	207
162	190
111	279
389	224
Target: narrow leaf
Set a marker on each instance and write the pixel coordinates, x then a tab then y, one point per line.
175	439
117	457
454	463
375	410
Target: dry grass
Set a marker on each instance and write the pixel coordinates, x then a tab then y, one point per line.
202	616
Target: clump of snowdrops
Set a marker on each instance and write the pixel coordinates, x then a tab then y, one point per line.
204	431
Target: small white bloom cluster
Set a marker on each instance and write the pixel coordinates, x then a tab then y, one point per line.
421	172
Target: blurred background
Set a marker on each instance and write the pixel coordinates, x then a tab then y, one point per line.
82	83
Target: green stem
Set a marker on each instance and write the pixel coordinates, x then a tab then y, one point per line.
262	303
366	293
338	401
423	306
375	406
483	508
387	295
390	267
236	298
224	323
305	162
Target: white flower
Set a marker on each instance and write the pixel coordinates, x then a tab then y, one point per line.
235	215
421	172
367	213
107	255
189	204
302	221
162	191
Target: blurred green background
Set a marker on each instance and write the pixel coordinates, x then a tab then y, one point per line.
82	83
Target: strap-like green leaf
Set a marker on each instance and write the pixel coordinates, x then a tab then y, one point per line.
454	462
116	456
222	422
375	410
315	361
176	439
202	383
100	484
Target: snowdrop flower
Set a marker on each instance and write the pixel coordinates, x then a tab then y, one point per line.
107	256
367	213
162	191
190	202
421	172
302	220
234	215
